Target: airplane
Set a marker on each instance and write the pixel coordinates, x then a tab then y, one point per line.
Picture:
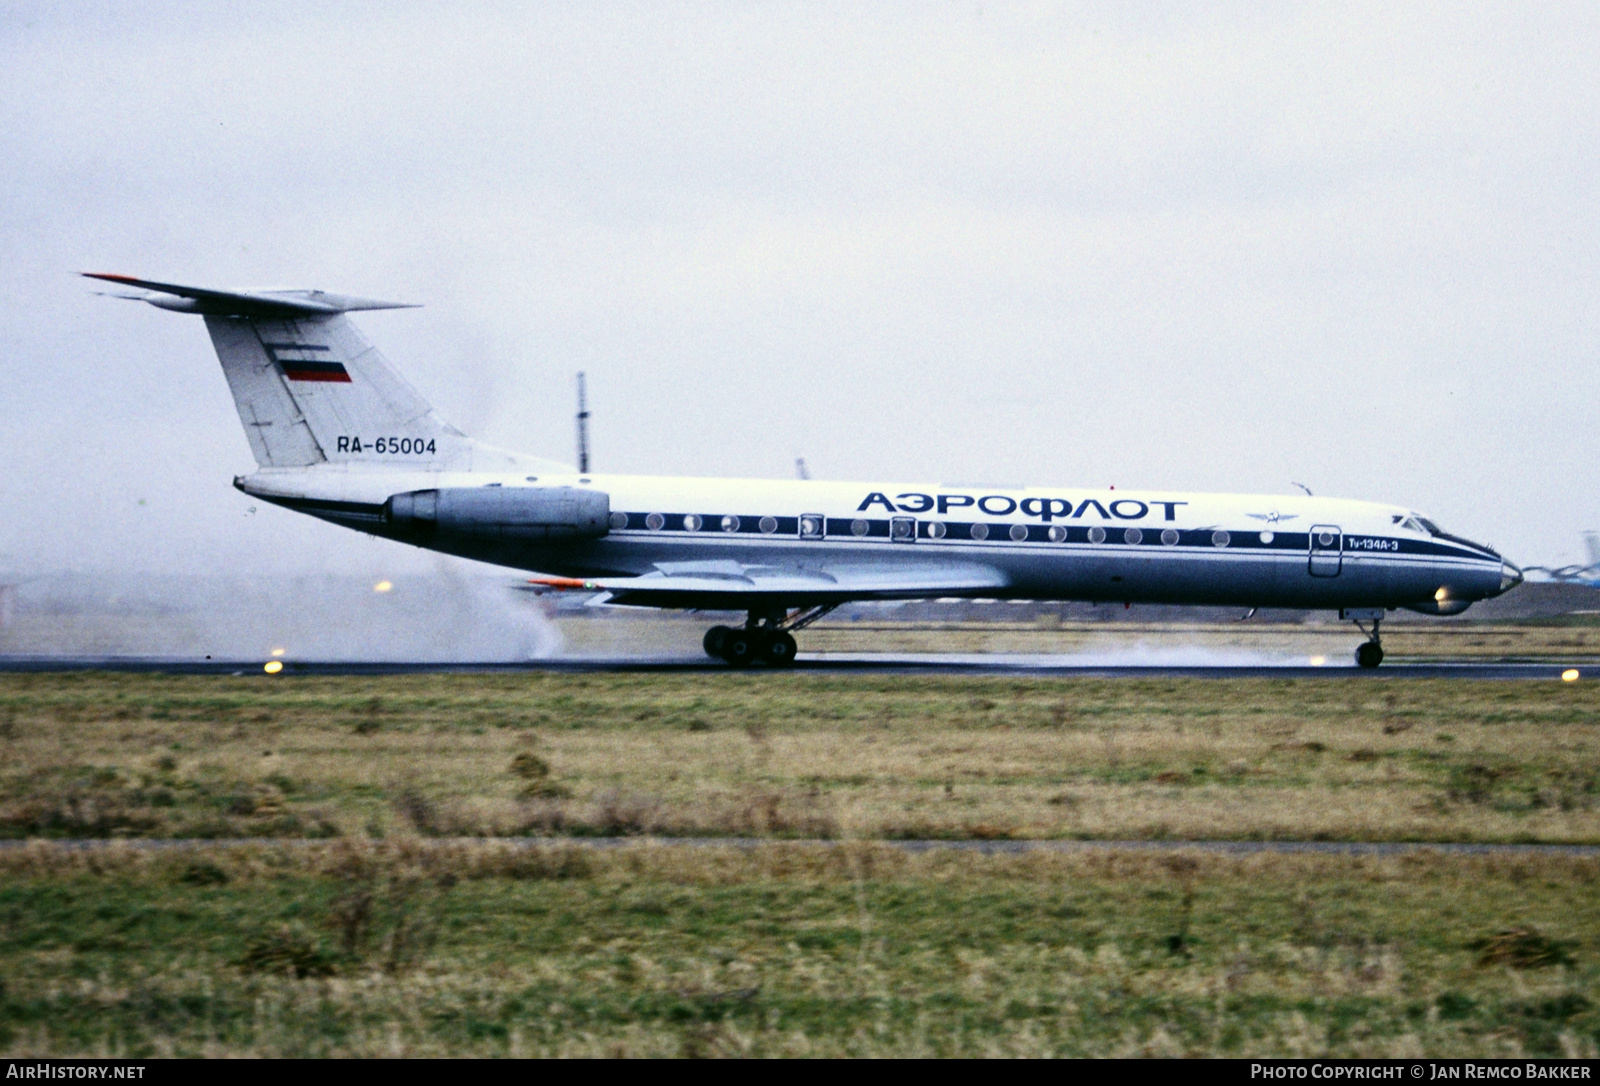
338	434
1576	574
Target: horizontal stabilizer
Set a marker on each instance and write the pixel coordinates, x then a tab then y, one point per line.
243	303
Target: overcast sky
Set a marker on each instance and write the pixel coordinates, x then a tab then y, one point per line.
1073	245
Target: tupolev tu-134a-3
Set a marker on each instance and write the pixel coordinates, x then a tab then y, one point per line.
339	435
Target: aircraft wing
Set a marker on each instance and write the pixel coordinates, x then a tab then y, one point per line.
729	585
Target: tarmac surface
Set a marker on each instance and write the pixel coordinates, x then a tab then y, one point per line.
973	664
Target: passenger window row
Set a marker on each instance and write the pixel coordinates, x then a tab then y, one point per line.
816	526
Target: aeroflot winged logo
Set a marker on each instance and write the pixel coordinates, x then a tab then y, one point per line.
1273	517
999	505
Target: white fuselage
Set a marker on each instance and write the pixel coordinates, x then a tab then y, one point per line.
1033	543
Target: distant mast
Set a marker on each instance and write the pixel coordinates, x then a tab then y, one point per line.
583	427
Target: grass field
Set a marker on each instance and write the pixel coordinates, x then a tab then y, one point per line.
405	931
1568	638
427	948
797	755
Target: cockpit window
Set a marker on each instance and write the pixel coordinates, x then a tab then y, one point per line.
1418	523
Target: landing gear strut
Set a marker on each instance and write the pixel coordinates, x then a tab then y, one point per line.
1369	653
766	638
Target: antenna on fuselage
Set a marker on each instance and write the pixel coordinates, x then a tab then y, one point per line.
800	468
1303	486
583	426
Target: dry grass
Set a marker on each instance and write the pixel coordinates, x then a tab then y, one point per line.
387	940
796	755
425	948
1403	640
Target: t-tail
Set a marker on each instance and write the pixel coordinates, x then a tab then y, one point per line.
311	389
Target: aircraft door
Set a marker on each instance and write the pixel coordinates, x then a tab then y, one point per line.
903	529
1327	550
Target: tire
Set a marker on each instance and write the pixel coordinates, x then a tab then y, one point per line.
713	641
1369	654
739	648
778	650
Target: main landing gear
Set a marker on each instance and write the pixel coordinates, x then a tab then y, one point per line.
767	638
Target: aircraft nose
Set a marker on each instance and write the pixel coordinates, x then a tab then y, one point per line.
1510	577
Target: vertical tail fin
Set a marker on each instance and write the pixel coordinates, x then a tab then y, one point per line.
311	389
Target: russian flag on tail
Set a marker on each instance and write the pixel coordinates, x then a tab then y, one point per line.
307	362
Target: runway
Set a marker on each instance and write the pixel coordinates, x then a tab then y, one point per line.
973	664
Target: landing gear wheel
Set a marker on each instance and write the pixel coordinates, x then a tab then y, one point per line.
777	649
1369	654
713	641
739	647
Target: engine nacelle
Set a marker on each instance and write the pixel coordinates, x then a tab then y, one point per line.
506	514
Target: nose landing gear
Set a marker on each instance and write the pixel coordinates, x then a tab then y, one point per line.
767	638
1369	653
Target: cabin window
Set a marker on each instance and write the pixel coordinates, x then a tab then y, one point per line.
1097	534
730	524
654	522
1133	537
860	527
1267	538
619	520
1058	534
691	522
768	525
1019	532
1324	539
1220	539
1169	537
980	531
936	529
811	526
